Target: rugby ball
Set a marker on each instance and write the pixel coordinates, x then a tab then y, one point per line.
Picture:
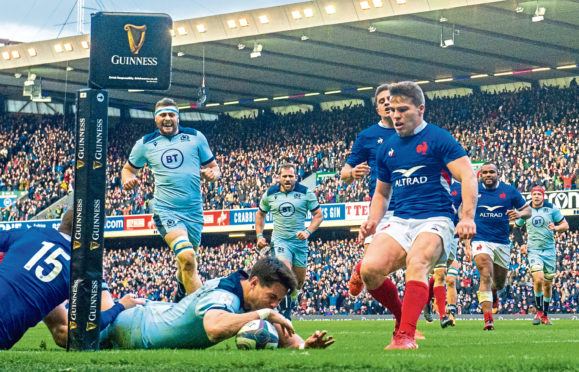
257	335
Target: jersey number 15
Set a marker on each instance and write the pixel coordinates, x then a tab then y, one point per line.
50	260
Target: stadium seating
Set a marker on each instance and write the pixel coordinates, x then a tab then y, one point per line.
150	272
531	134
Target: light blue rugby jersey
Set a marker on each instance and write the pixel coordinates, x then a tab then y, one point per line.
176	164
161	325
539	235
289	210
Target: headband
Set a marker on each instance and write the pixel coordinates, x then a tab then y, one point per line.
166	109
538	189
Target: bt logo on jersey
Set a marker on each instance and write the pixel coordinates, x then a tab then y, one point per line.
287	209
172	158
538	221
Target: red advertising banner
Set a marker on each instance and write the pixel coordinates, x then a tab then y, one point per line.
216	218
139	222
357	211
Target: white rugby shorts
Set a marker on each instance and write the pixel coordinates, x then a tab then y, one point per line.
499	253
384	219
406	231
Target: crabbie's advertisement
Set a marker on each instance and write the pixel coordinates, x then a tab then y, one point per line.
233	220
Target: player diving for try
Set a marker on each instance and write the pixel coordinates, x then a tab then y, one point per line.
214	313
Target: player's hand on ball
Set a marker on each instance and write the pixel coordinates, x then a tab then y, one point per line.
319	340
366	229
466	229
131	184
131	300
286	325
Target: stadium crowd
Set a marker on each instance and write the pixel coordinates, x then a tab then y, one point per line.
530	133
149	272
36	155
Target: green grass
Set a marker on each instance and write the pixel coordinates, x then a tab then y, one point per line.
513	346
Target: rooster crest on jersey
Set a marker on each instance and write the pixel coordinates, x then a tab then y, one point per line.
422	148
257	334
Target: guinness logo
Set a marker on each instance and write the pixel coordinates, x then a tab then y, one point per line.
90	326
80	164
136	35
72	325
94	245
96	164
76	244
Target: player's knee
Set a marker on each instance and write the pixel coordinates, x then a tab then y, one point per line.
439	276
371	274
484	272
301	284
450	281
187	260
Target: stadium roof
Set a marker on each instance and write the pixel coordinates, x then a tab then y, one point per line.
331	56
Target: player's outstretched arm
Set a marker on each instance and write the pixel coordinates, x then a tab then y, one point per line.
319	340
211	172
57	319
129	178
221	325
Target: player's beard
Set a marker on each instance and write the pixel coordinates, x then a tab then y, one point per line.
491	183
289	186
169	131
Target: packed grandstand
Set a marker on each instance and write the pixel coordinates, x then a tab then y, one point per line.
531	135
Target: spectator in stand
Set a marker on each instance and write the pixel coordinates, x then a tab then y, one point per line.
147	270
